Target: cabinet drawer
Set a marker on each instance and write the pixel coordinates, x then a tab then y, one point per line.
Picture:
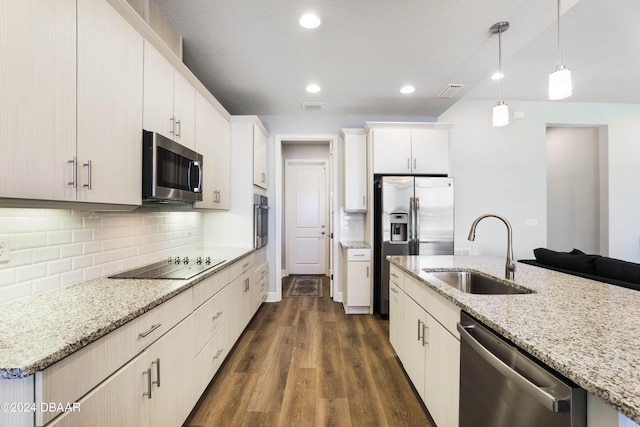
396	276
209	318
72	377
241	266
208	361
444	311
209	287
358	254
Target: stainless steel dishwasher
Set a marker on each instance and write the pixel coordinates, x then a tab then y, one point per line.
501	387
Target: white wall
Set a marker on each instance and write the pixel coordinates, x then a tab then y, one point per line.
503	171
53	248
573	189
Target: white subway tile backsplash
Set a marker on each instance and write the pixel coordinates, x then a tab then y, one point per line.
46	284
46	253
30	272
55	238
58	267
51	248
29	240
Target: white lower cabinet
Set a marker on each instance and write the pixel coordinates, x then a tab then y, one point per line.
151	371
357	280
422	328
150	390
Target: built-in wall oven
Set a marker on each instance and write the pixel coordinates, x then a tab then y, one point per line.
500	386
260	220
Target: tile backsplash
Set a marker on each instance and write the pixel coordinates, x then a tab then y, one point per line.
53	248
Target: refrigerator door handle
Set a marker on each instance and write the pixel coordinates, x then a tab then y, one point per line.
410	232
416	228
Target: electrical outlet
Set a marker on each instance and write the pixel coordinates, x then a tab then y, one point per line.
4	249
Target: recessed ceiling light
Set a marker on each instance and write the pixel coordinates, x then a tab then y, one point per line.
310	21
407	89
497	76
313	88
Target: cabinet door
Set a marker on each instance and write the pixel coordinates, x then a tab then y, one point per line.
359	289
213	142
430	151
355	172
442	375
158	92
259	158
237	292
414	350
38	98
110	55
118	401
184	110
222	160
170	360
396	312
391	151
205	145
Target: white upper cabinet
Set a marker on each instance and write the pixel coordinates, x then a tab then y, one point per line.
169	99
355	170
213	141
38	98
109	117
260	175
411	148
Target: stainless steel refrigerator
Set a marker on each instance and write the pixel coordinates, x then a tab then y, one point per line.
413	216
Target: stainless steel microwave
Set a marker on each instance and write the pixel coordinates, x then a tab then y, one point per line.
171	173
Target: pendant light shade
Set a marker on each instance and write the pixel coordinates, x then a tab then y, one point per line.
500	114
560	84
560	80
501	110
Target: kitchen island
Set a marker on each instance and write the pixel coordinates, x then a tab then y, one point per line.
586	330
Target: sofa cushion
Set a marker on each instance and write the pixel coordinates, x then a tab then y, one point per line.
618	269
575	260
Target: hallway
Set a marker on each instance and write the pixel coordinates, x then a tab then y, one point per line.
304	362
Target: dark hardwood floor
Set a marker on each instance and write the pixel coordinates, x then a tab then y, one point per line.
304	362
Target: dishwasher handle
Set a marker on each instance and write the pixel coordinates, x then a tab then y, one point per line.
549	401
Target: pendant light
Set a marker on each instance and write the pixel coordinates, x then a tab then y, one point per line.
560	79
501	110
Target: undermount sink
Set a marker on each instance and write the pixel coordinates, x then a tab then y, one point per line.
474	283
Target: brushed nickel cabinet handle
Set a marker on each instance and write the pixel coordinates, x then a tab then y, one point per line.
151	329
88	166
157	363
218	314
179	129
218	354
172	125
420	329
74	162
148	374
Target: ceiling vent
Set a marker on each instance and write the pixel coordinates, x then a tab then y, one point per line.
450	90
313	105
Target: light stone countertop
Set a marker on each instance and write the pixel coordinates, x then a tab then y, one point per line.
353	244
586	330
37	331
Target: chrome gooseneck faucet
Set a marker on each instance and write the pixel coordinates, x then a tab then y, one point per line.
510	268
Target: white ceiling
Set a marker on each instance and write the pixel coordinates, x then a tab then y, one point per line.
256	59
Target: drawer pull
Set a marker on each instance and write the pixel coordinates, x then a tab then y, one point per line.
395	276
394	290
358	254
218	314
218	354
245	265
151	329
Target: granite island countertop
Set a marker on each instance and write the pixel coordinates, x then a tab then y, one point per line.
38	331
586	330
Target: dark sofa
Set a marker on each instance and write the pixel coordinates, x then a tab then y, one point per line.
595	267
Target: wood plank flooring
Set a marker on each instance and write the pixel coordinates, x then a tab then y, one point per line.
304	362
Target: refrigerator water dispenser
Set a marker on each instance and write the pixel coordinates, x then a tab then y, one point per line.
399	222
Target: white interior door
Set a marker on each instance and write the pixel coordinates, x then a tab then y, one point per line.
306	216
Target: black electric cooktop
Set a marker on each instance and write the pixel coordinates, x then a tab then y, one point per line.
180	269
